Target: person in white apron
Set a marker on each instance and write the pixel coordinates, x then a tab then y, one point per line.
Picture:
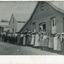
24	40
36	40
45	43
21	39
55	43
41	40
16	38
51	42
34	33
59	43
29	38
32	40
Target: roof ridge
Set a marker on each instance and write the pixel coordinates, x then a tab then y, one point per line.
55	7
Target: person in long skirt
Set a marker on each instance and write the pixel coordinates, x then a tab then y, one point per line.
51	42
32	40
62	43
9	35
18	39
59	43
21	39
24	40
45	41
26	36
29	38
41	40
55	43
36	40
15	38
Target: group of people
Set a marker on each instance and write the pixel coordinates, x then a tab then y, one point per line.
40	40
8	37
44	41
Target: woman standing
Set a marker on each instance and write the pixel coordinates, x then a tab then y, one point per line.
36	40
55	43
24	39
59	43
32	40
51	42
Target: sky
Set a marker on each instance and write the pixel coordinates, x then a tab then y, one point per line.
21	10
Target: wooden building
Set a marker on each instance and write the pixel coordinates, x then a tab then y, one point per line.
47	17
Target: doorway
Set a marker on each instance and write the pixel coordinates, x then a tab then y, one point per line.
53	25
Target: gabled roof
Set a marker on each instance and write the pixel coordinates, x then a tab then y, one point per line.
12	18
55	7
30	16
4	25
19	26
58	9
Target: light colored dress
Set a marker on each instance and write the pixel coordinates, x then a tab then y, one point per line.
41	40
59	44
32	40
45	43
36	40
24	40
55	43
51	43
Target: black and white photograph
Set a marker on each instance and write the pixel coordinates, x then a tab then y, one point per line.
31	27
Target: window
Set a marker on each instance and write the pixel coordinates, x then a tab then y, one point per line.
42	26
53	22
42	8
34	26
12	29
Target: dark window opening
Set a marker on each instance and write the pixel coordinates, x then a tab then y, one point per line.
13	29
44	27
53	21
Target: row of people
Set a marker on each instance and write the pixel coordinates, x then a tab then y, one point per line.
54	42
41	40
10	37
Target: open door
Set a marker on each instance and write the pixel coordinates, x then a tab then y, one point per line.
53	25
